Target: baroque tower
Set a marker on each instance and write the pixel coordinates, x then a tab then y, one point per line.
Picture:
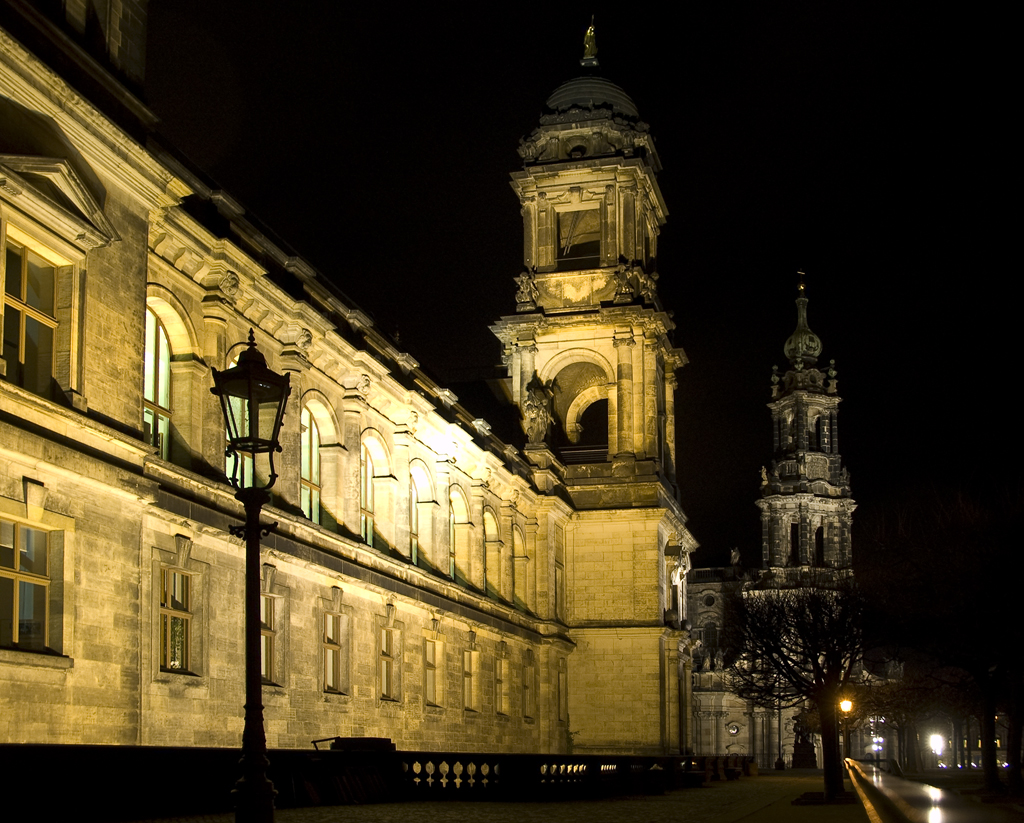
806	507
591	366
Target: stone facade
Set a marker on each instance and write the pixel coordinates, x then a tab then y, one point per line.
425	581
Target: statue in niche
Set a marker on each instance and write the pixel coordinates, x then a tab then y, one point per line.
537	411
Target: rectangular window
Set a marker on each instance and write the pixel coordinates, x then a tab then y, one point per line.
529	689
24	587
388	665
579	239
334	654
501	686
29	322
470	695
175	621
267	637
433	672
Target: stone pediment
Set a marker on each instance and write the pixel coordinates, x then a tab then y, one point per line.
49	189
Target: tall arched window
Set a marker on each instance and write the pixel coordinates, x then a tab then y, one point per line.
493	548
460	536
366	494
414	522
310	466
421	522
157	386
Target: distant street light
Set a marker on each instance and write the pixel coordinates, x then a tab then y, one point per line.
253	399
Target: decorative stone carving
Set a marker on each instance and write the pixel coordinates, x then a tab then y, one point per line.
527	294
537	411
304	341
229	284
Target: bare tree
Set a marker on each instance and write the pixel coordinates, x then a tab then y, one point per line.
799	643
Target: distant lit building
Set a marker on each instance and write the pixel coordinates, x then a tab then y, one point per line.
427	581
806	516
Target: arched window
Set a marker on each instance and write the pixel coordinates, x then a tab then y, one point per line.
366	494
459	536
310	466
492	556
414	522
157	386
520	570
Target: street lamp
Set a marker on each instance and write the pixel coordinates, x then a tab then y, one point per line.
253	399
845	706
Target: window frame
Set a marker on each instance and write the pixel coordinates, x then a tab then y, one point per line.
388	661
471	680
310	466
433	672
23	577
168	613
366	494
268	639
502	691
156	415
335	653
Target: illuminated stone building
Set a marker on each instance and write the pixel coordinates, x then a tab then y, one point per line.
806	515
426	581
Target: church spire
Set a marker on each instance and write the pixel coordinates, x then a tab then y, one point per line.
803	346
806	505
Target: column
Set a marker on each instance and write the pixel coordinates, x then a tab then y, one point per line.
624	392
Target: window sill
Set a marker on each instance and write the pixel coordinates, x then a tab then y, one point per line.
179	672
45	660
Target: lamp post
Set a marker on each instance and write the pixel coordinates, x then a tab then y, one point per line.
845	706
252	398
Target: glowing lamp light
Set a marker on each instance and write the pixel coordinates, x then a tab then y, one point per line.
846	705
937	742
253	400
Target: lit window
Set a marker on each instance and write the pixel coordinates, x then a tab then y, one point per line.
433	672
29	322
157	386
24	587
267	637
175	621
414	522
366	494
451	539
334	654
310	448
470	695
388	659
501	685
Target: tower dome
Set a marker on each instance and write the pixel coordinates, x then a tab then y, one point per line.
592	93
803	346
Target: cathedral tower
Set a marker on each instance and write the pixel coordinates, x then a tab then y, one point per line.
806	507
591	366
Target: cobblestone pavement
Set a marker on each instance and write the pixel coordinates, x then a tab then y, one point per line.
764	799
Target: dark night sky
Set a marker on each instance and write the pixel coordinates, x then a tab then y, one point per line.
843	141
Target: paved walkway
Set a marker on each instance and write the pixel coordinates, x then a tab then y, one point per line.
764	799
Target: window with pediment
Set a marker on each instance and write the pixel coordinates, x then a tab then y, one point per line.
50	219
